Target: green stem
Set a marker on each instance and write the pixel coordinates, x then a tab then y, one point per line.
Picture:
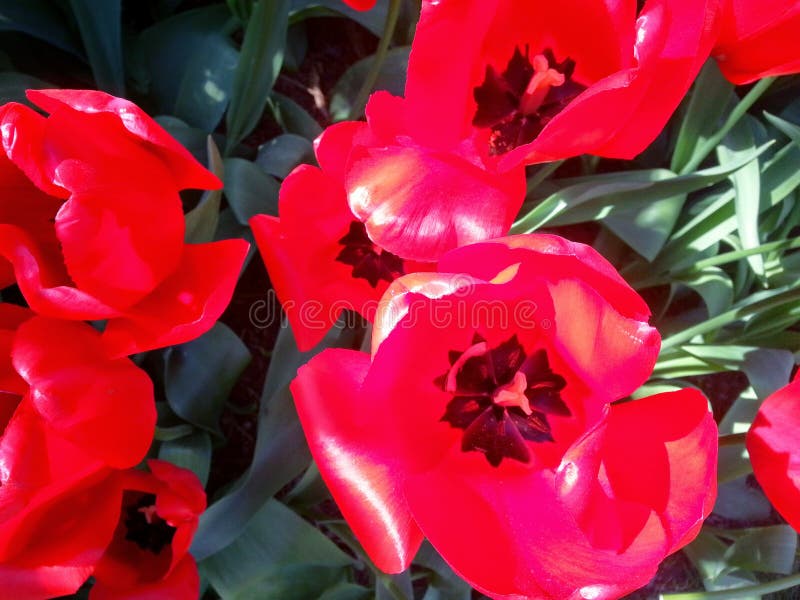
732	439
729	316
377	62
761	589
737	113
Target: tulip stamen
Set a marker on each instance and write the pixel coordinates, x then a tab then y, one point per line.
145	527
518	103
369	262
502	397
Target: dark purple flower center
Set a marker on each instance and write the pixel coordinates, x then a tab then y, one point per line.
145	528
501	398
368	260
517	103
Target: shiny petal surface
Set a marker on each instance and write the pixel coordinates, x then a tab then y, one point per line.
350	437
105	405
185	305
758	39
139	128
418	204
772	444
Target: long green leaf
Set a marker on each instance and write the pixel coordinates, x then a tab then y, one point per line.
259	64
101	32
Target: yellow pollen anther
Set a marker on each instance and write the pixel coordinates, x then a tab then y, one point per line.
543	79
513	394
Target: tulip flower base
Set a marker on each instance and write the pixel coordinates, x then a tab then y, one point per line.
350	299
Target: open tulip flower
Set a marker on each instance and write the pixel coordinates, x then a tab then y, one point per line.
484	419
774	452
148	555
758	38
536	81
92	226
339	267
360	4
70	417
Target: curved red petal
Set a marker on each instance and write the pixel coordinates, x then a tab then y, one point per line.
113	248
185	305
42	280
35	583
104	405
508	534
332	147
137	126
758	39
772	445
419	204
360	4
313	286
183	583
351	438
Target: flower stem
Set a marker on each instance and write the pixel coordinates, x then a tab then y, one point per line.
737	113
377	62
761	589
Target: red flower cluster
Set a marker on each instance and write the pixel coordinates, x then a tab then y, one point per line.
491	416
91	228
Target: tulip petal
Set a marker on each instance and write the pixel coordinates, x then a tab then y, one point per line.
134	125
105	405
351	441
772	444
419	204
183	583
185	305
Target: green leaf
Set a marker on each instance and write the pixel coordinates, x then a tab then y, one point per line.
707	553
281	452
281	154
202	220
101	32
646	228
711	98
747	188
595	197
766	549
392	78
259	64
779	177
190	63
346	591
249	190
279	555
714	287
199	375
293	118
191	452
41	19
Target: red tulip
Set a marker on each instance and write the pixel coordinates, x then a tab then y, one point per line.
148	556
68	415
533	81
758	38
318	254
483	421
92	223
772	444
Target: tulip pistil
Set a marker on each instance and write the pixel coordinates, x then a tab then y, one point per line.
369	261
517	103
145	528
502	397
